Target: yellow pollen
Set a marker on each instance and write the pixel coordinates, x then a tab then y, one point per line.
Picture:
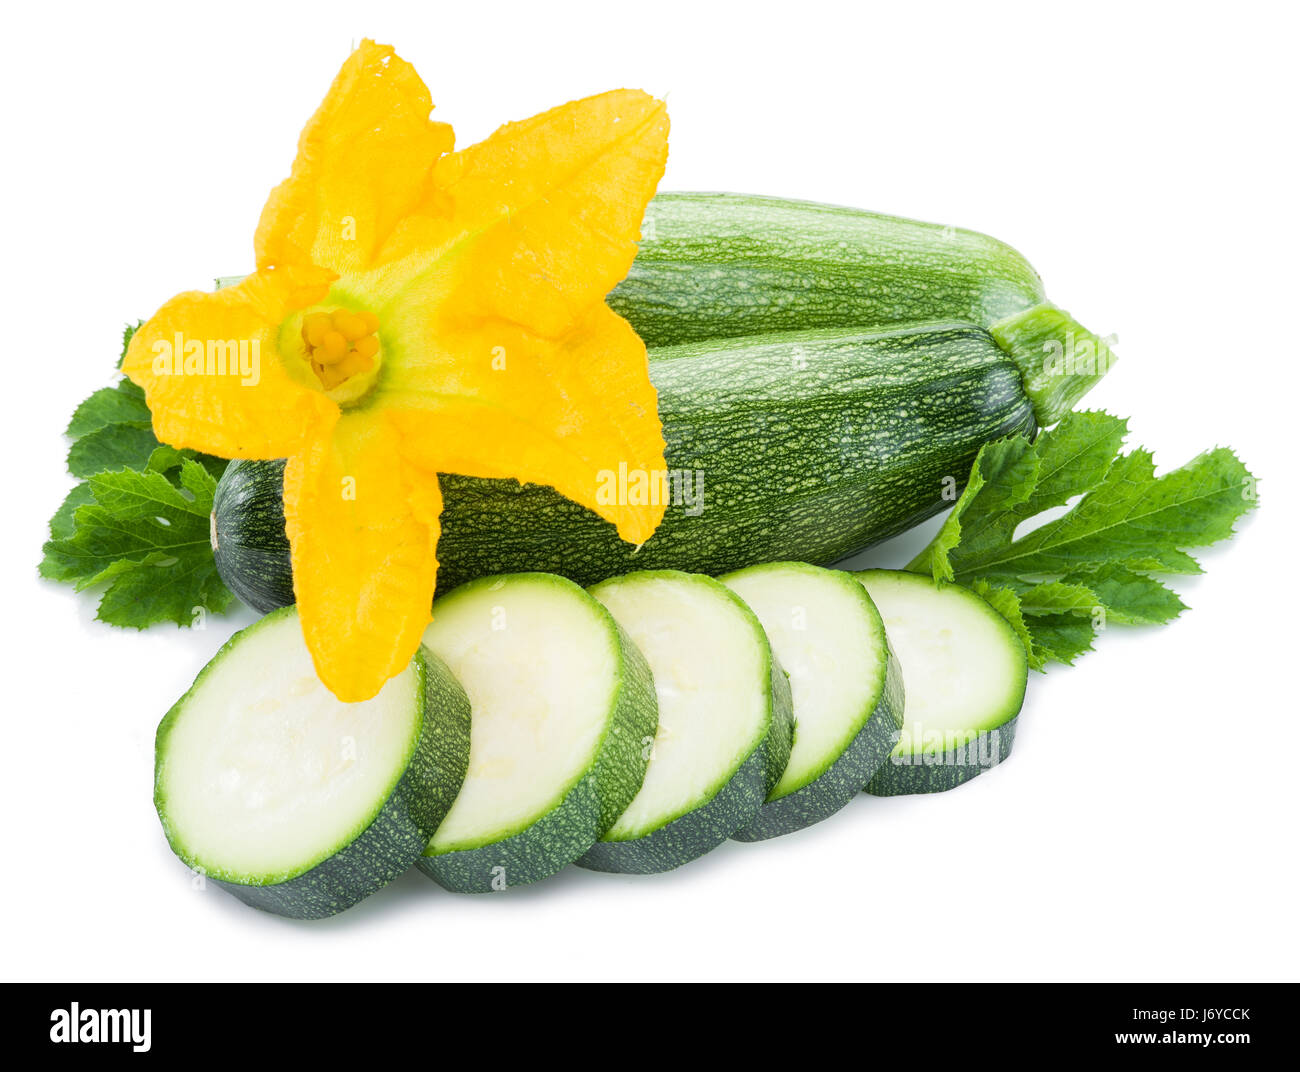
349	326
340	345
335	346
314	328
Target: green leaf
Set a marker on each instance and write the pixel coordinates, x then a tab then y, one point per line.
1055	597
137	525
128	445
113	430
62	524
1063	580
1131	598
1130	517
1073	457
148	540
1003	474
164	459
133	495
1062	638
1049	636
1013	479
123	402
1167	561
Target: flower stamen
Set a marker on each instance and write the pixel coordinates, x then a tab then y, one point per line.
340	345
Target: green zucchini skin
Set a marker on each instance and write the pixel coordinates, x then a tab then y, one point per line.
248	539
589	808
694	834
812	446
842	780
901	775
719	265
396	836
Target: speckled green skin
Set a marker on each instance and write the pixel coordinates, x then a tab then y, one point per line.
803	449
248	538
843	779
780	736
694	834
588	809
716	265
396	836
804	446
734	804
901	775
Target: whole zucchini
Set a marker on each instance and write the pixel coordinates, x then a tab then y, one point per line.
805	446
718	265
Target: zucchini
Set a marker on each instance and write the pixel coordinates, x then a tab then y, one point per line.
248	538
718	265
807	447
296	802
846	686
563	716
724	720
966	672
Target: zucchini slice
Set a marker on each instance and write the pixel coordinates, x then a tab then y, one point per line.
966	673
563	716
295	802
846	684
724	720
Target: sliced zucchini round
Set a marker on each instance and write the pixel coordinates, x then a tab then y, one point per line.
563	714
966	672
724	720
295	802
846	685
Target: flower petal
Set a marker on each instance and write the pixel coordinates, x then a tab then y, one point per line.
255	408
363	165
549	210
567	413
363	526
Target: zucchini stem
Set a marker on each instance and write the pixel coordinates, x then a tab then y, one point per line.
1059	359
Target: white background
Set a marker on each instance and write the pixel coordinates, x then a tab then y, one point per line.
1141	156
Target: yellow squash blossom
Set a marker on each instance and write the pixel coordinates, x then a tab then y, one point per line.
416	311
